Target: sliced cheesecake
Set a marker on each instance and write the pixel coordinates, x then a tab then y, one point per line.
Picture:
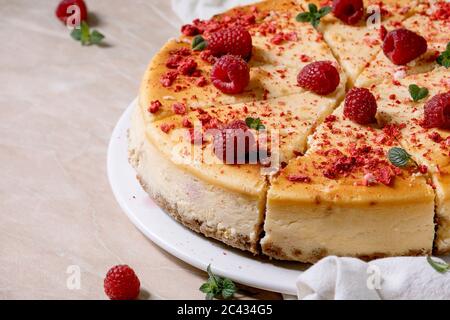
428	147
343	197
436	30
355	46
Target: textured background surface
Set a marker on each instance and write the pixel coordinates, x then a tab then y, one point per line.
58	105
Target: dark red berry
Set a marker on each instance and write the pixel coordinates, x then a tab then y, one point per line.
235	41
320	77
360	106
190	30
168	78
179	108
187	67
437	112
63	15
154	106
235	143
230	74
402	46
348	11
121	283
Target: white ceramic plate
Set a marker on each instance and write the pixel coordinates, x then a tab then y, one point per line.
179	241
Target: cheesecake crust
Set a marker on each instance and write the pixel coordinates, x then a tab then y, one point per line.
238	241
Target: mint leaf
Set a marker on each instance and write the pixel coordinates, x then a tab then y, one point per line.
83	34
440	267
399	157
312	8
96	37
76	34
255	123
217	287
314	15
324	11
199	43
303	17
229	288
418	93
444	57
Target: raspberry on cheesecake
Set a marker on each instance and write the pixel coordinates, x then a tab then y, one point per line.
320	77
230	74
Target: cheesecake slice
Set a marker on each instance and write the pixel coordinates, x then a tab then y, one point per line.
435	29
428	147
355	46
343	197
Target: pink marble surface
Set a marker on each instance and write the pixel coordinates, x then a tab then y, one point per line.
59	102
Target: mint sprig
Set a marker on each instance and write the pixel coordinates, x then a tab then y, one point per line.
199	43
440	267
399	157
314	15
418	93
255	123
217	287
85	36
444	57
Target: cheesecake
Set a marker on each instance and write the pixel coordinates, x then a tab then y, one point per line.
309	178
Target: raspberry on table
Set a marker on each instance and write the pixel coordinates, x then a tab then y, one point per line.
121	283
230	74
402	46
360	106
61	10
236	41
320	77
437	112
348	11
235	143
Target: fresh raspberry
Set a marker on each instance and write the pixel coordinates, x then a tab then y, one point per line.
121	283
437	112
320	77
402	46
236	41
360	106
235	143
154	106
179	108
63	15
190	30
230	74
348	11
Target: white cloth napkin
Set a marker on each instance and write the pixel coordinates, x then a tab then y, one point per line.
188	10
400	278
